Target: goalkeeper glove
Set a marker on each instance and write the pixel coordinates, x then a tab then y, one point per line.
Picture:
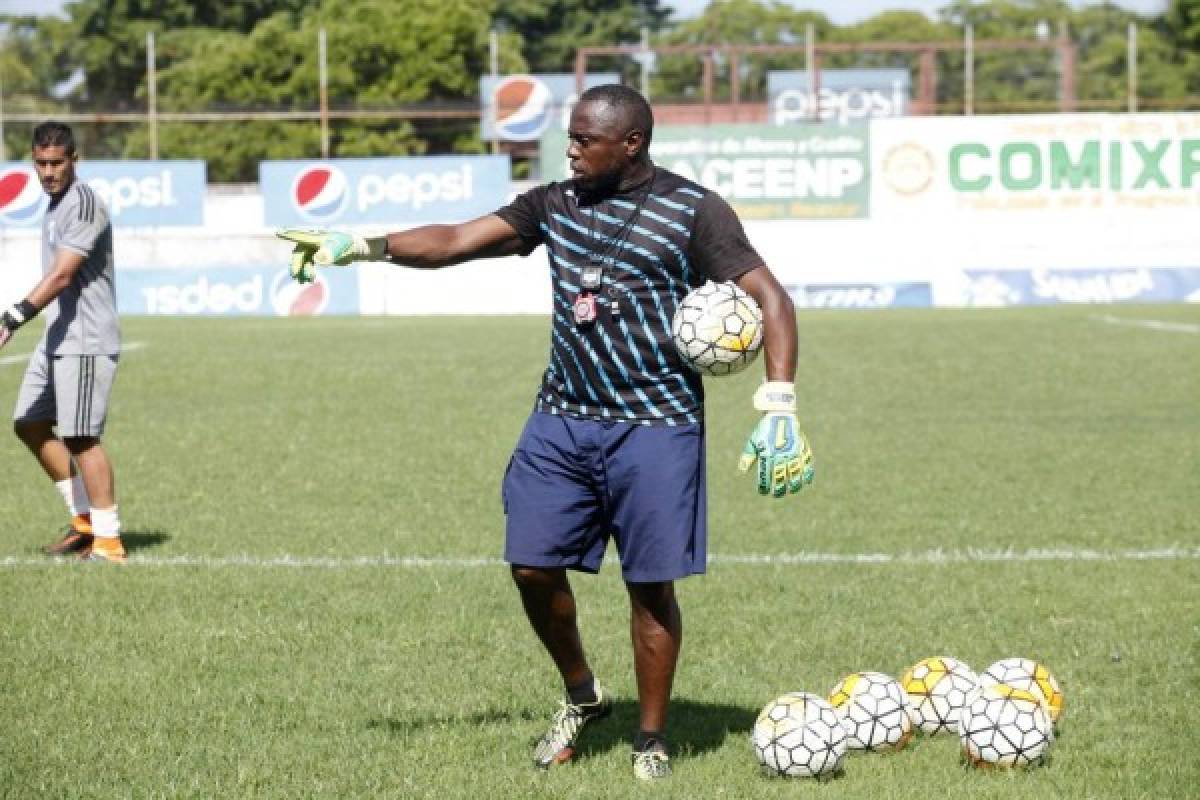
316	247
15	317
785	462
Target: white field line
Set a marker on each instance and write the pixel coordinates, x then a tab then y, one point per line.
21	358
932	557
1149	324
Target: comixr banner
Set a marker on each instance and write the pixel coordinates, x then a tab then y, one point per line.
763	171
1080	165
142	193
355	191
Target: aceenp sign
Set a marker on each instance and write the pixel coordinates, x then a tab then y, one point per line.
142	193
764	172
842	96
520	108
383	190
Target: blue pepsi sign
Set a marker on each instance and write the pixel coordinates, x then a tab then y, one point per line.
235	291
863	295
352	191
144	193
1051	286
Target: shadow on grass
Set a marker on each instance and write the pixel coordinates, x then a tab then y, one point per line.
143	540
694	728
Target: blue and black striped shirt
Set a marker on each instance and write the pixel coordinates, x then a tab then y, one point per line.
658	240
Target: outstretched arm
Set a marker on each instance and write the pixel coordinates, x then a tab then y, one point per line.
424	247
434	246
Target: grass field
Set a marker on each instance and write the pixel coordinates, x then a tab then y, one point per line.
315	606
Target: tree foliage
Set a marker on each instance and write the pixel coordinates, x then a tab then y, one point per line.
550	31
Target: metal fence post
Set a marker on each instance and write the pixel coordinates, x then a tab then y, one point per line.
810	63
1131	59
151	96
968	70
323	79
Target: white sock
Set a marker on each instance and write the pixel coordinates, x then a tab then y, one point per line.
74	495
79	492
105	523
66	489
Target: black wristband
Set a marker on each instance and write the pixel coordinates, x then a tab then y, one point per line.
18	315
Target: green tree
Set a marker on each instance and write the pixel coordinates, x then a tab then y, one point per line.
108	38
275	66
735	22
1181	25
28	62
550	31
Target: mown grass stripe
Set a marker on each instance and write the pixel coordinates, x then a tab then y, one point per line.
932	557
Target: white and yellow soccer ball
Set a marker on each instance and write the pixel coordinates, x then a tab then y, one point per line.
937	689
799	735
1032	677
718	329
874	711
1004	727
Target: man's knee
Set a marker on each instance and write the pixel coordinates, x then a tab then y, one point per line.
33	431
654	597
535	577
80	444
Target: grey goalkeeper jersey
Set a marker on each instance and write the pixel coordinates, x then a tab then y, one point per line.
83	320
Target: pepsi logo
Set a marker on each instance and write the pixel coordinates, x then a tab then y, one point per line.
291	299
320	192
22	200
522	105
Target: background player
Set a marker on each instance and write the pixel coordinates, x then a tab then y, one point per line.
62	404
614	447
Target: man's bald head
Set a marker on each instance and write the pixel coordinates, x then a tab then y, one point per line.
621	107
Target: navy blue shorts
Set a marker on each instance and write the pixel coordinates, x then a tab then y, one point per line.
573	483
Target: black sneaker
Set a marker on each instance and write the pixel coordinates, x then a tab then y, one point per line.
651	763
73	541
557	745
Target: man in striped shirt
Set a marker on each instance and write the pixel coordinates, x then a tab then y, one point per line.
62	405
614	448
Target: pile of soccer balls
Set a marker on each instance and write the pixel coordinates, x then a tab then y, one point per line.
1005	716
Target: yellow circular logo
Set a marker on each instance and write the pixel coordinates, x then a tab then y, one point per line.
908	168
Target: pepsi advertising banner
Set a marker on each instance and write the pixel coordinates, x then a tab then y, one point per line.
138	193
356	191
843	95
520	108
235	291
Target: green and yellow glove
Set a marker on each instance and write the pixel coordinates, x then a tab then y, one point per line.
785	462
317	247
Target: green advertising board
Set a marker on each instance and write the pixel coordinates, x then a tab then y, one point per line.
763	171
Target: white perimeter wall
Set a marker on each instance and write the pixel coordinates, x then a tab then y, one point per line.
921	228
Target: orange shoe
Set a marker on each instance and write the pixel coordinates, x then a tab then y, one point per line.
77	538
107	549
